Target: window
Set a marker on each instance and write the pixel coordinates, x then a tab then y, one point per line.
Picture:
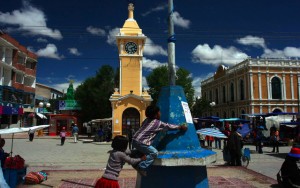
21	60
6	95
276	88
19	78
210	95
224	94
30	65
28	98
231	92
232	114
217	97
242	93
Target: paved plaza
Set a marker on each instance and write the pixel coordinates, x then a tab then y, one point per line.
80	164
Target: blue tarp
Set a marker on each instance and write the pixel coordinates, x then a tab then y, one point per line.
244	130
234	119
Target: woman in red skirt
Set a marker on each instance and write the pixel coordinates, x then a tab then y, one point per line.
117	158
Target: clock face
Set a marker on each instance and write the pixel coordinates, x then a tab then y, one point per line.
130	47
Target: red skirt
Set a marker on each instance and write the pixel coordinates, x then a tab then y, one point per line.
107	183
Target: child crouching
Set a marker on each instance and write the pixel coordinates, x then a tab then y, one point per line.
116	160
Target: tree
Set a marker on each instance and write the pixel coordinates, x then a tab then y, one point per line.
200	106
159	78
93	95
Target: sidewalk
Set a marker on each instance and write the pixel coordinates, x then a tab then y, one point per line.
81	171
218	177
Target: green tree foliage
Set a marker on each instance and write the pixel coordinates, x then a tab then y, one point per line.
159	78
94	93
200	107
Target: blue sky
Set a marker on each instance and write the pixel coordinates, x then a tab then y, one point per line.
73	39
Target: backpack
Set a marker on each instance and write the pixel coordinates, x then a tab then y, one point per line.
16	162
35	177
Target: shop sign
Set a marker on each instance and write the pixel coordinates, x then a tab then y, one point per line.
69	105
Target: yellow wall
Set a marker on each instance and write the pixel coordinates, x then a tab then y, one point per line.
120	107
131	76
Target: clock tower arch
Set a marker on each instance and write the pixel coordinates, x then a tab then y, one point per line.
130	94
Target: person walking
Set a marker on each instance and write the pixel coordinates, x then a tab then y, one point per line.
75	131
62	136
217	140
31	134
275	141
130	134
235	147
89	131
259	139
117	158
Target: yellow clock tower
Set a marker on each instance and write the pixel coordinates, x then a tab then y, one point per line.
129	101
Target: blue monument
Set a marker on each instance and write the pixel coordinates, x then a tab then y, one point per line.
181	162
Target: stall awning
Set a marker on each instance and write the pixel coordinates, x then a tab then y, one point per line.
41	115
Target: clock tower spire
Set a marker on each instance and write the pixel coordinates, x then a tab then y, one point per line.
130	100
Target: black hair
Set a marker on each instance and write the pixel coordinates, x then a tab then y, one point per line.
151	111
119	143
2	142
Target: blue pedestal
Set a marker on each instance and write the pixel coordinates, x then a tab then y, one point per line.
175	177
14	176
181	161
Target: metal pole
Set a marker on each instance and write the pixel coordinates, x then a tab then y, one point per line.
171	46
298	97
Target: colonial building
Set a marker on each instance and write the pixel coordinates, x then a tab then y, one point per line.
254	86
43	94
129	101
17	81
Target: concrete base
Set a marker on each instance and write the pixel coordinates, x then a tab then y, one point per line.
198	157
174	176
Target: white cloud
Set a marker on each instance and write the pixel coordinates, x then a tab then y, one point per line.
180	21
111	37
252	41
152	64
197	83
41	40
287	52
291	52
268	53
74	51
217	55
156	9
153	49
30	20
96	31
144	83
49	52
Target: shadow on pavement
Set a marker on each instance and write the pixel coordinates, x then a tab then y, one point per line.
279	155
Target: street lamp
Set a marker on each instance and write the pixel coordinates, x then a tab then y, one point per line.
298	97
212	104
41	105
42	109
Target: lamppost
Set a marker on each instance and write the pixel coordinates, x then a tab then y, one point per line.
42	109
298	97
212	104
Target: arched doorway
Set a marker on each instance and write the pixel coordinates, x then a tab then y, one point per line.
277	110
130	119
